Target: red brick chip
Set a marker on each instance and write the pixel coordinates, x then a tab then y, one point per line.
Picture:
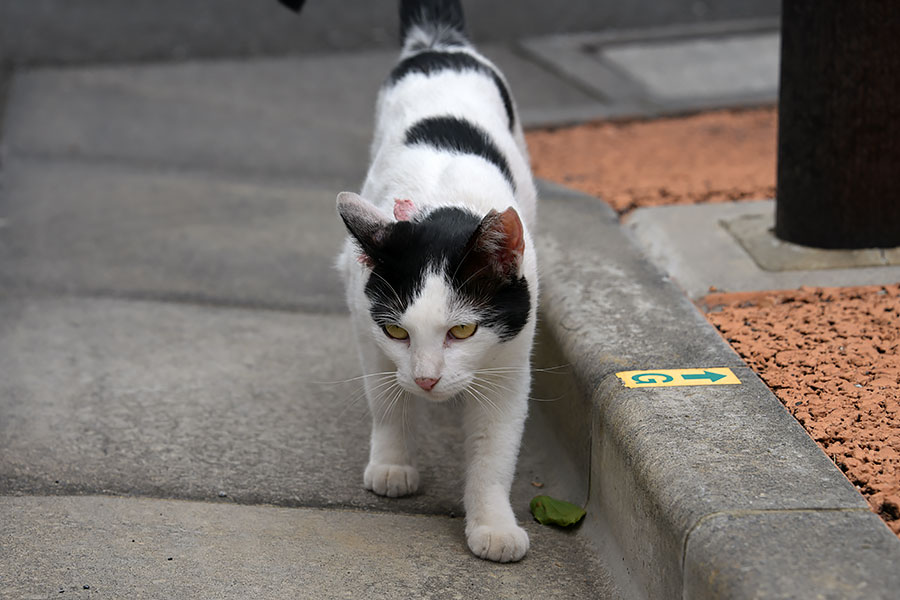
832	356
710	157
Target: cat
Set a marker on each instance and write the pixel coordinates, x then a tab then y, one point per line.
440	268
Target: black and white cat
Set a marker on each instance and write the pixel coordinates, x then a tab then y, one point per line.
440	268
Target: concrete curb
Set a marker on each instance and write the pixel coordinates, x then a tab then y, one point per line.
707	491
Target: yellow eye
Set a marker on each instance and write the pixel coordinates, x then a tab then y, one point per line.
462	332
396	332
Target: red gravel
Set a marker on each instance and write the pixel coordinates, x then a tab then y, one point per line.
832	356
712	157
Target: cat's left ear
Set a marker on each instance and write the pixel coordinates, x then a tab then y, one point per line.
364	221
497	246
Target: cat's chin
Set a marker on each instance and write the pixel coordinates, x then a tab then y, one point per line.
435	396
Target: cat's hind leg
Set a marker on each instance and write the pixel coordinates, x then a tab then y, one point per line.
391	470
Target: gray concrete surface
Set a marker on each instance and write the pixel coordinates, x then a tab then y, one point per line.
55	31
142	548
693	246
755	555
744	65
236	117
125	231
146	233
669	69
668	461
292	118
184	401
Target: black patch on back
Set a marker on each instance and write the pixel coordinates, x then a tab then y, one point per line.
458	135
409	250
432	61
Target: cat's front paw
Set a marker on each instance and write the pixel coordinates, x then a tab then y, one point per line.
391	480
500	544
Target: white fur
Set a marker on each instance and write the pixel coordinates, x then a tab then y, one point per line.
491	378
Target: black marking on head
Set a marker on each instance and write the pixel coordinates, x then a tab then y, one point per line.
432	61
503	305
487	276
441	242
458	135
407	252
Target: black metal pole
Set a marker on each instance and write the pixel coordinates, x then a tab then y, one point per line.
839	124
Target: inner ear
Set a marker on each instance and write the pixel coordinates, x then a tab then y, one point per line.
364	221
496	247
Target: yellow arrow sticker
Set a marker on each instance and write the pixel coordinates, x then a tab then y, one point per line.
675	377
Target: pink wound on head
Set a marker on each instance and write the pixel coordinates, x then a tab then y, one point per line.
403	209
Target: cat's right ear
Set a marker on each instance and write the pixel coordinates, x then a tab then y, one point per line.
365	223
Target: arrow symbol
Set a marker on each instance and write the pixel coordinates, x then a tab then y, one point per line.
713	377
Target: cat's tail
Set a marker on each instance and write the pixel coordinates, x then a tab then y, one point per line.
431	24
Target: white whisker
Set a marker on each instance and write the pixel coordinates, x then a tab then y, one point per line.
390	287
485	401
496	387
389	409
378	389
469	278
559	369
545	399
374	387
492	386
366	376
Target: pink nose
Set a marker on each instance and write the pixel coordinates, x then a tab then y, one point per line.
426	383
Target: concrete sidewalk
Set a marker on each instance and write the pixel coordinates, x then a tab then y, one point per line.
176	363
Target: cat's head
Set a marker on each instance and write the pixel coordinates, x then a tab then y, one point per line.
445	289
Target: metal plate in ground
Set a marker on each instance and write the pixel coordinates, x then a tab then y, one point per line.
755	234
744	65
683	67
682	239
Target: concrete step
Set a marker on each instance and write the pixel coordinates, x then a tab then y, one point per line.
112	396
303	119
86	547
92	228
245	116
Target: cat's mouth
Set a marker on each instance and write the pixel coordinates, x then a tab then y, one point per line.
435	395
438	391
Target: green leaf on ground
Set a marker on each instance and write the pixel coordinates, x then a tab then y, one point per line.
550	511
